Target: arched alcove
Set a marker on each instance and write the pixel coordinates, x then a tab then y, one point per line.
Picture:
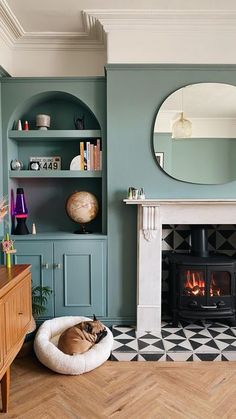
62	107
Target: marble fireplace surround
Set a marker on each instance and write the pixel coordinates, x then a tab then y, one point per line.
152	214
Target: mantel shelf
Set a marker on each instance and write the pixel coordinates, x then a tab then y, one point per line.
55	174
54	135
180	201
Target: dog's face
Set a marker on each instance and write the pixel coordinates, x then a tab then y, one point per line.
94	327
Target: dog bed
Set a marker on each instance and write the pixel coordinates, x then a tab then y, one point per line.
45	346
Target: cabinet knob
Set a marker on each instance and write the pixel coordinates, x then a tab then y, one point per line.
45	265
57	265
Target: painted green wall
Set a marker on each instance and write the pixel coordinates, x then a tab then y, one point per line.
134	95
201	160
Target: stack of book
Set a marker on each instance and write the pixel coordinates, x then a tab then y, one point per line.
90	157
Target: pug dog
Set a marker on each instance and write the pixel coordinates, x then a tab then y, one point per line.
81	337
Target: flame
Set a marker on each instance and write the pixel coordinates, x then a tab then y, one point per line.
214	290
195	284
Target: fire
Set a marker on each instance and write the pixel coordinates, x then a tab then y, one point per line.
195	283
214	290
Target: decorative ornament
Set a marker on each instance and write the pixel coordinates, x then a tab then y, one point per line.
79	122
26	126
19	125
21	213
43	121
8	249
82	207
16	165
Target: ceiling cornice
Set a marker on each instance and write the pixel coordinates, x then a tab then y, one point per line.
92	37
96	23
164	20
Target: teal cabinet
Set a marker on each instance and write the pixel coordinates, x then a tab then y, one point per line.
74	269
40	256
80	275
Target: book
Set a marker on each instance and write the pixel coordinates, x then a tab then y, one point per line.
81	155
88	154
98	149
91	157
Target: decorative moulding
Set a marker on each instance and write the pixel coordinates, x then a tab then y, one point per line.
164	20
17	38
97	23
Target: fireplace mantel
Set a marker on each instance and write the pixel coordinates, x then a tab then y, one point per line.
152	213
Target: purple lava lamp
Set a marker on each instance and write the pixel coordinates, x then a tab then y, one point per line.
21	213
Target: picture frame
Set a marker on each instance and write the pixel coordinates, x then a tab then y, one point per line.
160	158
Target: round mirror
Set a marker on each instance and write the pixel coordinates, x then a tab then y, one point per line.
195	134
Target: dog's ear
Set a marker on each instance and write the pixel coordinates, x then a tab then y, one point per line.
94	318
88	327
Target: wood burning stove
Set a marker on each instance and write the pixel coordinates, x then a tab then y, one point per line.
202	286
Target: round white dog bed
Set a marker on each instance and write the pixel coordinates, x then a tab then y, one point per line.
45	346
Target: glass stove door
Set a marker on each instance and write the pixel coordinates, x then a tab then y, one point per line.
219	290
193	291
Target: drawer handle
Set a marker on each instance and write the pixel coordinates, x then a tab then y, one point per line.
45	265
214	306
57	265
20	313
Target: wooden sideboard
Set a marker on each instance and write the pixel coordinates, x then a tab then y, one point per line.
15	317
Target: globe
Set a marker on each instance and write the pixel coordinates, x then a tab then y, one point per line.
82	207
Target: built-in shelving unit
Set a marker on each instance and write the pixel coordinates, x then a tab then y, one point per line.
46	191
73	265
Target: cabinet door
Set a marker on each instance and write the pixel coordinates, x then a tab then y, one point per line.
80	277
18	312
40	256
2	334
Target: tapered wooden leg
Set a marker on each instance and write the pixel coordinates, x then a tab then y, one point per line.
5	389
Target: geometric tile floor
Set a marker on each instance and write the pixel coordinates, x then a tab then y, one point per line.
197	341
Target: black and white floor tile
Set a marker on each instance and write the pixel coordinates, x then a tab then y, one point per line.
199	341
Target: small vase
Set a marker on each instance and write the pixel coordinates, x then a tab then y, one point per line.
8	260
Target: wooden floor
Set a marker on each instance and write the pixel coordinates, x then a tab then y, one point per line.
144	390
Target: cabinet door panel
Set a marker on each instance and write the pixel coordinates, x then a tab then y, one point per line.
40	256
80	280
18	312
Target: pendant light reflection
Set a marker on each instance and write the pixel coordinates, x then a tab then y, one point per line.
182	128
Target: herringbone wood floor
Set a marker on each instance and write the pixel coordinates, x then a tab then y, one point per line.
132	390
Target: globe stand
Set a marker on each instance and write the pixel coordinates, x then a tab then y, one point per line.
82	230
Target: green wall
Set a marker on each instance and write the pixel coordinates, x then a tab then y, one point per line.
201	160
134	95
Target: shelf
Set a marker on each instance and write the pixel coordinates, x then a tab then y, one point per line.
54	174
54	135
58	235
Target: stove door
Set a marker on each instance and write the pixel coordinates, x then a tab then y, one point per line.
193	287
220	287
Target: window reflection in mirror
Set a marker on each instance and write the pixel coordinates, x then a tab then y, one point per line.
203	149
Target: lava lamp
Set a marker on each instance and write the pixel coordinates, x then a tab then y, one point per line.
21	213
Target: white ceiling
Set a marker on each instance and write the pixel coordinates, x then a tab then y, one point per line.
79	37
203	100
